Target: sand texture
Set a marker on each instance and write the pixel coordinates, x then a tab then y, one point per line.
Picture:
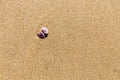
83	41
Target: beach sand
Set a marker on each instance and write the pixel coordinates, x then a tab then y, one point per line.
83	41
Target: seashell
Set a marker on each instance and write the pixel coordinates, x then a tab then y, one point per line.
44	30
41	35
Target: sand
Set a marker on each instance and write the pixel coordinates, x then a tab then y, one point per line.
83	41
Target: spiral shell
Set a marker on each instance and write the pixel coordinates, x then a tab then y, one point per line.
43	33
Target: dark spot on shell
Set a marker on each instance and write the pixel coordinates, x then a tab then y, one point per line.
46	35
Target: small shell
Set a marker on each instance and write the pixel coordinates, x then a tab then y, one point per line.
41	35
44	30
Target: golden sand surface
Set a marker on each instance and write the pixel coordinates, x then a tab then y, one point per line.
83	41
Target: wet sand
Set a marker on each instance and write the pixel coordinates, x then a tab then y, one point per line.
83	41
